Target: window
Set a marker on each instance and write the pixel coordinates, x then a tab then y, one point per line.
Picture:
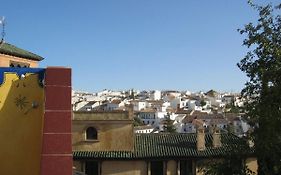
19	64
91	133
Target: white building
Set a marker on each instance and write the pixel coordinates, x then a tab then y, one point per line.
144	129
86	106
183	126
149	117
154	117
138	105
194	105
155	95
179	103
103	92
113	105
240	126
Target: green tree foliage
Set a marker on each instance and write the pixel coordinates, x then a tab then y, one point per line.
230	108
232	164
169	124
137	121
132	95
262	64
202	103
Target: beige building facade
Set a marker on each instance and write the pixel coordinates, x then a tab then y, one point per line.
11	61
113	131
12	56
104	144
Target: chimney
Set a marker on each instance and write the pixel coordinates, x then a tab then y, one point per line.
201	138
216	137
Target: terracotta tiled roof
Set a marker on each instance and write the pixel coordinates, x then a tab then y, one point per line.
198	122
181	111
218	121
116	101
148	110
232	116
202	116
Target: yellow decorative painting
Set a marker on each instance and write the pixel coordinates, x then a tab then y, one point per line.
21	123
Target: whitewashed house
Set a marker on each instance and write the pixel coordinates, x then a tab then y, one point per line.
215	98
228	99
86	106
155	95
143	95
240	126
113	105
194	105
164	107
179	102
145	129
103	92
184	126
154	117
149	117
138	105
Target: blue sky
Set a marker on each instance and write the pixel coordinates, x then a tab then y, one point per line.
141	44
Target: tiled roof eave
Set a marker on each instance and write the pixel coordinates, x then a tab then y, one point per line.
39	58
169	146
84	157
11	50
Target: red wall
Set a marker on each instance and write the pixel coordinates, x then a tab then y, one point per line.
56	157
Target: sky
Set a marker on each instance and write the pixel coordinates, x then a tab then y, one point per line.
142	44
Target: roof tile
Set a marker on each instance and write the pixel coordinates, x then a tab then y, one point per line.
9	49
163	145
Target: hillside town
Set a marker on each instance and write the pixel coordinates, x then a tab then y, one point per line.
111	132
170	110
158	130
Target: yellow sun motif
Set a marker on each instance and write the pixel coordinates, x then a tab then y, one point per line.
21	102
